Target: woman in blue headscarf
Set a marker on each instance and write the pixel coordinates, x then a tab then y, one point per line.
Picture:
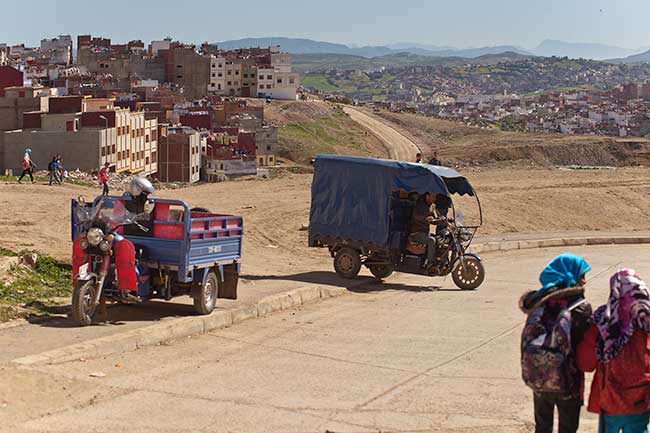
558	316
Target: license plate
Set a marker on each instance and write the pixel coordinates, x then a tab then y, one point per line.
83	270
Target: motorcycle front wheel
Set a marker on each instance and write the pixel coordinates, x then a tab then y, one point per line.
83	302
471	276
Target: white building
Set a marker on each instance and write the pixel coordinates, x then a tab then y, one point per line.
217	75
156	46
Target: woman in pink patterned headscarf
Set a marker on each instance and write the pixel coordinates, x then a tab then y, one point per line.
617	346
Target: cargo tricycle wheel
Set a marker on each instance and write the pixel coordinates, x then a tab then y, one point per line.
83	302
381	271
470	277
205	296
347	262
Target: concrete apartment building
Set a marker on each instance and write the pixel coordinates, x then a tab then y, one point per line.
255	72
87	133
19	100
187	70
59	49
179	157
266	142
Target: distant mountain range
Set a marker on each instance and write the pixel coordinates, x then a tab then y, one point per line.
547	48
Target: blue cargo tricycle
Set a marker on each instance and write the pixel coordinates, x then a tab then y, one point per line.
182	252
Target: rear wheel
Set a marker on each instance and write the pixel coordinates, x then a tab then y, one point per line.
83	302
381	271
347	262
471	276
205	296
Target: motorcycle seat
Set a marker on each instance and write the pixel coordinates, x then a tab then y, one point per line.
415	247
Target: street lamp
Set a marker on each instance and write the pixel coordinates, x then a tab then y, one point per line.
106	135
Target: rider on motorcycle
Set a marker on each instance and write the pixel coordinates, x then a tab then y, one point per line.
123	249
421	220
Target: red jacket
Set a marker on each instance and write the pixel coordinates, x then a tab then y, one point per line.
103	176
621	386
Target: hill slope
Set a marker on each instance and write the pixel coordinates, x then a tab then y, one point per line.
464	145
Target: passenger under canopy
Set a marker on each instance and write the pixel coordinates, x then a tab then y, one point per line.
351	196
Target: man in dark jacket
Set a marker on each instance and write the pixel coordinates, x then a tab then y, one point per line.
562	290
421	220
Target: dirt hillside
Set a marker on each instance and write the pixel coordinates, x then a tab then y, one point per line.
472	145
514	201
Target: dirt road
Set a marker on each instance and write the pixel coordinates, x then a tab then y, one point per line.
399	146
398	356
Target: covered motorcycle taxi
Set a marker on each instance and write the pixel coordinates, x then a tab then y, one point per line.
361	210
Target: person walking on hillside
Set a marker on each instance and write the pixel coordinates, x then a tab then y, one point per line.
103	178
59	166
52	168
27	166
617	347
558	316
435	160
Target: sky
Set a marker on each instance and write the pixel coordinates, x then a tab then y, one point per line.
459	23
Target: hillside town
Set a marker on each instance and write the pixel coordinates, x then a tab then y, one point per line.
169	110
537	95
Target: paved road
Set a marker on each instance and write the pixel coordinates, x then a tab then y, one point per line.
399	147
398	356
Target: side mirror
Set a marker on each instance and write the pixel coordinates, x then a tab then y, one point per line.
149	206
81	200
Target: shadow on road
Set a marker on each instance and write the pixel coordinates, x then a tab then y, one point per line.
117	315
368	284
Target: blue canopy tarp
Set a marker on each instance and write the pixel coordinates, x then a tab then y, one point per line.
351	196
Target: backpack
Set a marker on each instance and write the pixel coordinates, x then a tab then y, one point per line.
547	356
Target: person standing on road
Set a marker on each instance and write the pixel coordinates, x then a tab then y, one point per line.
558	317
418	158
27	166
617	347
103	178
52	168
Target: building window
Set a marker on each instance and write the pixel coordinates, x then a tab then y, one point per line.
103	151
214	75
179	76
229	73
292	80
245	75
236	72
113	149
147	161
269	77
220	74
219	87
261	86
279	80
212	84
268	86
221	65
230	83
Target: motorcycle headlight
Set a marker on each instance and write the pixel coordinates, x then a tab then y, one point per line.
105	246
466	236
95	236
83	244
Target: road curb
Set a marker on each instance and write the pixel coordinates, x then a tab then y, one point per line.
183	327
494	246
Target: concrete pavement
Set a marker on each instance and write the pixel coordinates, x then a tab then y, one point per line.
398	356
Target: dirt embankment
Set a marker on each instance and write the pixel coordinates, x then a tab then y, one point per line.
457	142
307	128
